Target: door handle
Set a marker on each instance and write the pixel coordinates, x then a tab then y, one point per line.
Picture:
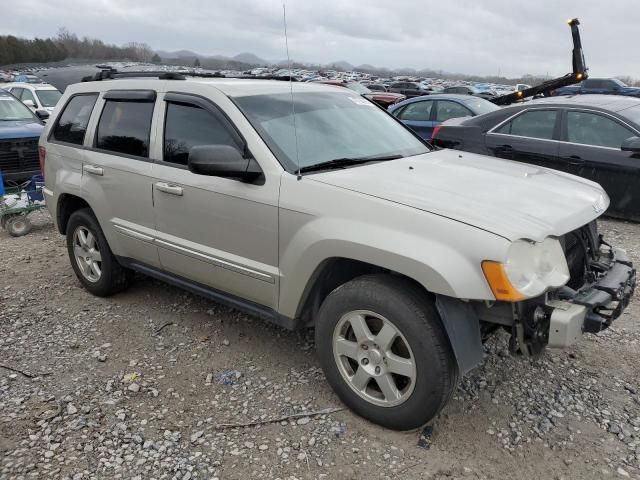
170	189
504	149
574	160
93	170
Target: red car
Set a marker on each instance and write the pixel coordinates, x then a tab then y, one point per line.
384	99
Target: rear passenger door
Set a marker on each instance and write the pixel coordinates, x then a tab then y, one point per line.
592	149
116	173
218	232
531	136
417	116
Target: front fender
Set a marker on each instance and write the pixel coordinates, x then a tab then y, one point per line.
441	267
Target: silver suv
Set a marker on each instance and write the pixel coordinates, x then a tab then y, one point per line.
309	206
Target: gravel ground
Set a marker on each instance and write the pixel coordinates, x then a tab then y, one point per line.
141	385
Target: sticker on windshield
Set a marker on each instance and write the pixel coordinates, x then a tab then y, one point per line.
361	101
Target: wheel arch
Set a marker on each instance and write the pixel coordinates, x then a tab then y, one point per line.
333	272
66	205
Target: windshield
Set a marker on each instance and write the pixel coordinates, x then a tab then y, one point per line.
48	98
328	126
358	87
12	109
480	106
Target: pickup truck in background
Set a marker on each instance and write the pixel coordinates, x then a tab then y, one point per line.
606	86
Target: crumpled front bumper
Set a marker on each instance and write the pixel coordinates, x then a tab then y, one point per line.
595	306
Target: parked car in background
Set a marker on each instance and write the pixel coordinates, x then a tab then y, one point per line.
27	78
593	136
19	133
384	99
36	96
469	90
424	114
377	87
402	257
5	77
603	86
409	89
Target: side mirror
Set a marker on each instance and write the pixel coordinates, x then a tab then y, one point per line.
42	114
29	103
631	144
223	161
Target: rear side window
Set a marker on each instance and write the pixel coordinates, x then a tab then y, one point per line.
187	126
417	111
448	110
72	123
534	124
125	127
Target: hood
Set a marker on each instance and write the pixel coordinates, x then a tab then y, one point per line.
20	129
510	199
629	91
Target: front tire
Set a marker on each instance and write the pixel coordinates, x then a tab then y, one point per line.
384	351
91	258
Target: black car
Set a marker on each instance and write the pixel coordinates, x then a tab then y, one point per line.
593	136
409	89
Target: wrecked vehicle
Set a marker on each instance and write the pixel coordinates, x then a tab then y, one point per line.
332	215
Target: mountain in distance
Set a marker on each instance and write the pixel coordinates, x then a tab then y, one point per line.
250	59
340	65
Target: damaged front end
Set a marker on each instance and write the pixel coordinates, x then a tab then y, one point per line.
602	282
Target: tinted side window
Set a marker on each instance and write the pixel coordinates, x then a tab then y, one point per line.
187	126
536	124
447	110
72	123
417	111
592	129
124	127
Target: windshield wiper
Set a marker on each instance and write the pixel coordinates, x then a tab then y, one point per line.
346	162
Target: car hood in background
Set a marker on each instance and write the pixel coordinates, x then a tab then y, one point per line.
511	199
629	91
20	129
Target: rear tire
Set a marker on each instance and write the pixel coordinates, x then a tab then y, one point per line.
383	349
91	258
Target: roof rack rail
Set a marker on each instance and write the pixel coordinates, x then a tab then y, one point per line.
113	74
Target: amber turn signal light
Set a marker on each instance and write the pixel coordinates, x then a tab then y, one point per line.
500	285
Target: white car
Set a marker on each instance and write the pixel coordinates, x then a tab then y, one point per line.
36	96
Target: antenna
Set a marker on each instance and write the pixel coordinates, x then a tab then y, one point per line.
293	106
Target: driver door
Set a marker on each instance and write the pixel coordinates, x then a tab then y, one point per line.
592	150
220	233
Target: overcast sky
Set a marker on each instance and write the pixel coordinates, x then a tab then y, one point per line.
477	37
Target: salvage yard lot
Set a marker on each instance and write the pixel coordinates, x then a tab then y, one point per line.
138	386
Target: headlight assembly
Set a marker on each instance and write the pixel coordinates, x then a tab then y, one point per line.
530	270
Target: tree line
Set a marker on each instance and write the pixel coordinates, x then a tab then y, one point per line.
14	50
